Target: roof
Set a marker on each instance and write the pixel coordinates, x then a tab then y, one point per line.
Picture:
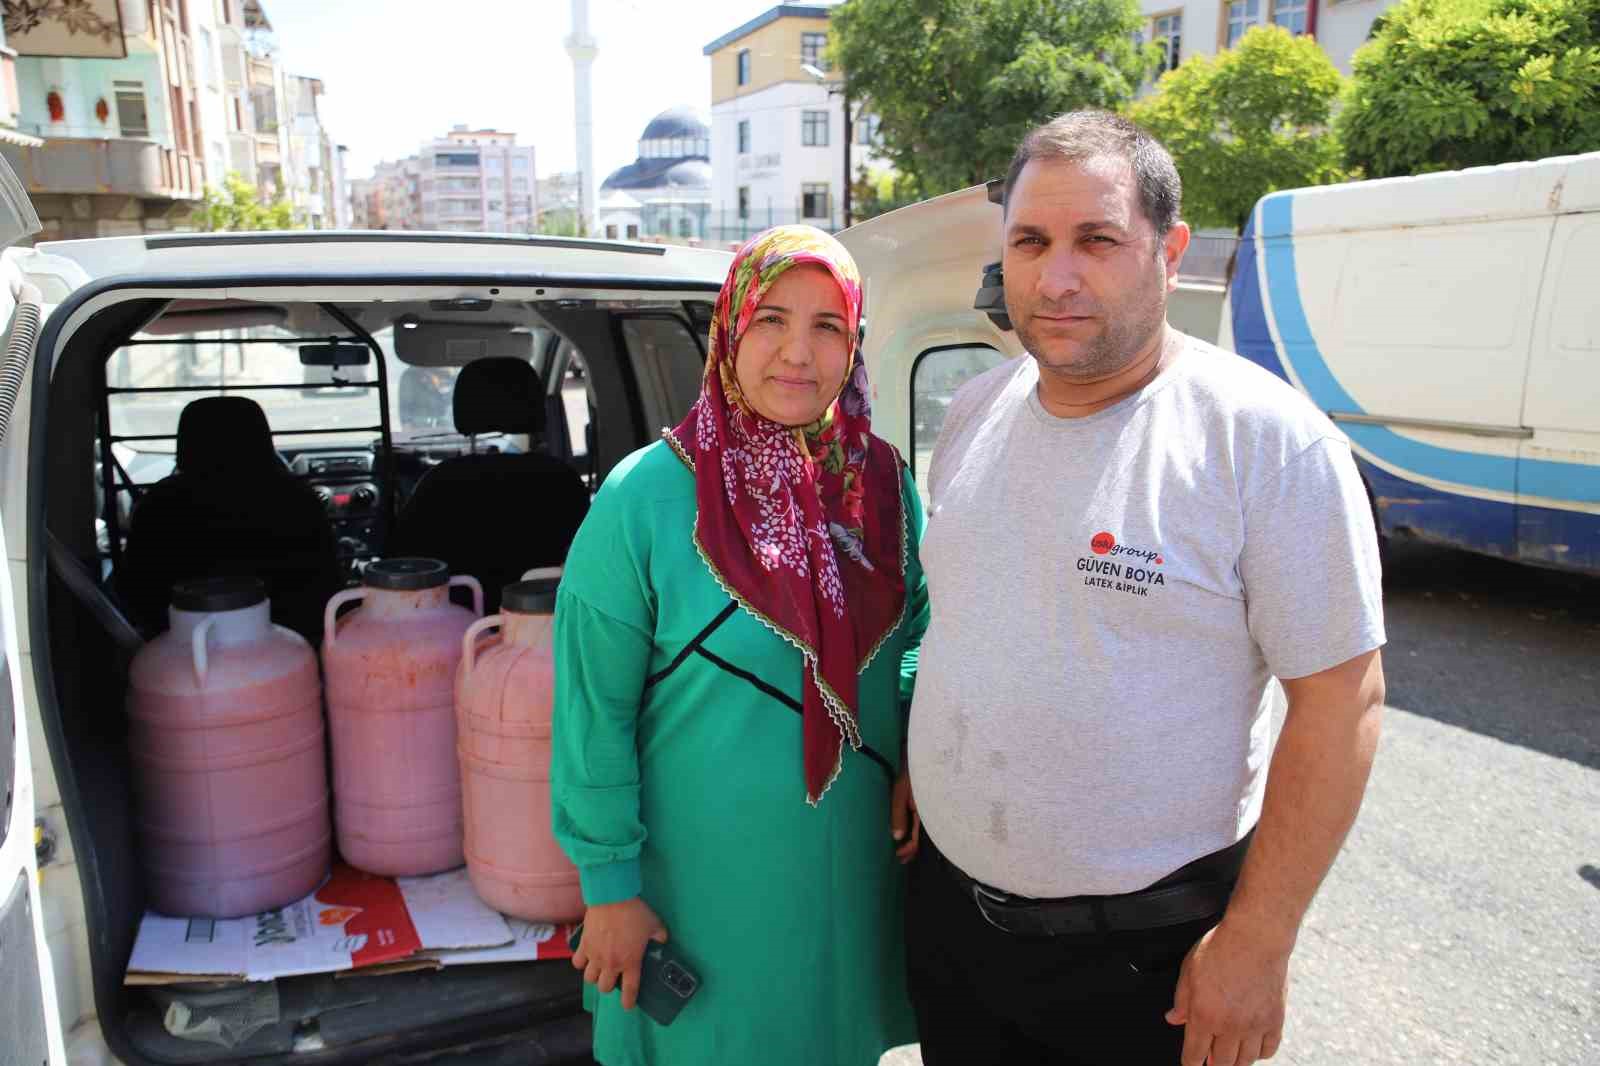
766	18
694	173
1537	188
674	123
301	256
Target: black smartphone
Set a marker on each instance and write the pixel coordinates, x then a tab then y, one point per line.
666	982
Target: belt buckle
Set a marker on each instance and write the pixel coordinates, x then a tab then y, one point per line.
980	893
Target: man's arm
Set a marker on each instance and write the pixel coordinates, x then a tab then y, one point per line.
1232	989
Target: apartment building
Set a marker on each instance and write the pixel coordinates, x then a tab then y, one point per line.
780	151
112	118
475	181
1205	27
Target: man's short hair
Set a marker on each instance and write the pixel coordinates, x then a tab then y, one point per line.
1078	136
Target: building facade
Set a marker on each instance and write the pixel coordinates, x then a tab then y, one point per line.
1205	27
117	119
778	126
473	181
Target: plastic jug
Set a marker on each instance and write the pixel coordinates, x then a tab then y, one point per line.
226	739
503	695
390	669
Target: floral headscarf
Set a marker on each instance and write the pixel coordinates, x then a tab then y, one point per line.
802	525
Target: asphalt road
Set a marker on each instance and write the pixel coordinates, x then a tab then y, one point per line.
1462	921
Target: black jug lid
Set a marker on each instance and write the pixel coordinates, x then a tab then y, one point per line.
210	594
406	574
534	596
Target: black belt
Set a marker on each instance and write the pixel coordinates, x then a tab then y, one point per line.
1199	890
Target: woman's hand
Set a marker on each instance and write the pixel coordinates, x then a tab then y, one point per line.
904	825
613	943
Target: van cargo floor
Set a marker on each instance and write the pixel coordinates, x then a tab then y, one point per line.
529	1012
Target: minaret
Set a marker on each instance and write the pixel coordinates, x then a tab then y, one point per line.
582	48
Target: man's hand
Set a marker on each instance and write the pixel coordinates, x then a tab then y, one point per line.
1232	991
613	943
904	824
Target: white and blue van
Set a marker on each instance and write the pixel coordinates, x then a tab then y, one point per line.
1450	325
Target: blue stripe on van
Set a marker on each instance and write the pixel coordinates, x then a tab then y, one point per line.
1561	481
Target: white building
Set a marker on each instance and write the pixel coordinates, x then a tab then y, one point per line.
476	181
778	144
1205	27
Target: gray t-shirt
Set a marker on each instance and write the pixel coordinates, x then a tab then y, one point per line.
1111	596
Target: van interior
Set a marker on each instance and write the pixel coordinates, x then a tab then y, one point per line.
298	442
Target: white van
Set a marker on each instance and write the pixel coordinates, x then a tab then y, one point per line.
109	341
1450	324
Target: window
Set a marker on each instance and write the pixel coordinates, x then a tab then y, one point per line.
814	200
207	73
611	231
744	66
935	377
814	129
685	227
744	136
633	231
1242	14
744	201
1292	15
667	364
812	47
520	163
867	129
456	159
1167	31
132	114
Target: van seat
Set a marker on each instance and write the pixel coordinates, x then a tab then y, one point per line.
231	508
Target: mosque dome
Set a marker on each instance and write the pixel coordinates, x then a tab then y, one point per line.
674	152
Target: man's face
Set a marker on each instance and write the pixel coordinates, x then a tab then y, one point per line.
1086	276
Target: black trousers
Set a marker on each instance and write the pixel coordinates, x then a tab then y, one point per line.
985	996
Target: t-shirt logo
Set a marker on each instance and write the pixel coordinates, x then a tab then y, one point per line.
1134	570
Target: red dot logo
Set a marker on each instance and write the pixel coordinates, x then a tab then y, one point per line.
1159	560
1102	543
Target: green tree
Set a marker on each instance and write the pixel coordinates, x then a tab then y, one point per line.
1247	121
957	83
876	191
1446	84
237	206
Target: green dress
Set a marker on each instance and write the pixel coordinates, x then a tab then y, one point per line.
676	776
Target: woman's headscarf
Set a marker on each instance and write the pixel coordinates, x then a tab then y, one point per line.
802	525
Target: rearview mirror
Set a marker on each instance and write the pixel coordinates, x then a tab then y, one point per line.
335	355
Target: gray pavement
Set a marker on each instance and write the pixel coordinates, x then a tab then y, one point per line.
1462	921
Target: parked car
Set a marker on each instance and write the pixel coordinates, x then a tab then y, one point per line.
1448	324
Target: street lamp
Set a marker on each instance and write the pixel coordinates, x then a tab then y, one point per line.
849	132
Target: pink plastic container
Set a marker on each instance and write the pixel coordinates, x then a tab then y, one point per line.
503	694
226	739
390	668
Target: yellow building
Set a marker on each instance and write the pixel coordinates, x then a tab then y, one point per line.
778	151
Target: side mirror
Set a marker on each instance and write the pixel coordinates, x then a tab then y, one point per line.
991	299
335	355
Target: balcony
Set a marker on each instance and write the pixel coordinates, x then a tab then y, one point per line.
116	166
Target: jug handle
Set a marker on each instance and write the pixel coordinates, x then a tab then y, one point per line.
198	644
468	581
469	639
331	613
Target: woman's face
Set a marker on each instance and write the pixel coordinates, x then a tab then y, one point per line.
793	358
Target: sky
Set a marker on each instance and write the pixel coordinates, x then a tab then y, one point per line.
401	72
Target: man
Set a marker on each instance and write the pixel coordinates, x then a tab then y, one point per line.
1131	533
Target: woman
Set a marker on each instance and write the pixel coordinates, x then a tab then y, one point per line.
735	641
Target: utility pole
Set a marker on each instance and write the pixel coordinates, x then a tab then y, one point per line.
849	138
